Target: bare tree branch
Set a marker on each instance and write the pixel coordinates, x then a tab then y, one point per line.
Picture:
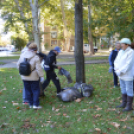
43	3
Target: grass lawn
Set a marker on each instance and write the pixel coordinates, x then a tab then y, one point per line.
93	115
9	57
86	59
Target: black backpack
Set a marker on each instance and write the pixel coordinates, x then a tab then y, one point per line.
25	68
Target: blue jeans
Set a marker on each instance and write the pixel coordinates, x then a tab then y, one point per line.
115	78
126	87
32	92
24	95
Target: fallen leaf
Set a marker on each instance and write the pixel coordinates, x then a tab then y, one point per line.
98	129
123	119
84	110
78	100
98	109
4	88
125	127
53	108
79	119
18	108
111	109
115	124
57	110
15	104
64	114
58	114
97	115
20	91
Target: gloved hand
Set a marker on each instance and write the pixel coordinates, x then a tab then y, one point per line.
59	67
110	69
41	79
118	73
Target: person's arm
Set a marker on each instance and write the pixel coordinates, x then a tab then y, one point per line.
18	63
129	62
39	68
41	54
110	58
52	60
117	61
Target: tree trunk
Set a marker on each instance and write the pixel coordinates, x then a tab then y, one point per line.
35	20
79	57
90	38
66	31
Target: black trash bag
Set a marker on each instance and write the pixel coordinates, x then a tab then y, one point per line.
64	72
86	90
78	91
69	94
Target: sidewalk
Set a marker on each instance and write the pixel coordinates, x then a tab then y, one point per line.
12	63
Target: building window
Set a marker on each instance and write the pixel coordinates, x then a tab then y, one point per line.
53	35
53	42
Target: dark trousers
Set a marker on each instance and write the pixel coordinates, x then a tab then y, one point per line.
32	92
133	85
51	75
115	78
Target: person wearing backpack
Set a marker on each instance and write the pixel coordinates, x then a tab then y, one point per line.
25	101
123	66
49	67
31	71
112	58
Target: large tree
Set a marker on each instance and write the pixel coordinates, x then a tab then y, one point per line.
79	56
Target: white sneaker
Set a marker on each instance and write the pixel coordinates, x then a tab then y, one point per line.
37	107
30	106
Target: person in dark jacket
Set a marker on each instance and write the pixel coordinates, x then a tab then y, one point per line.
49	67
112	58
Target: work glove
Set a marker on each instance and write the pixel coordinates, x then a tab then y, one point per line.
41	79
110	69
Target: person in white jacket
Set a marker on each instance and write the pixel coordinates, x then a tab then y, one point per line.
123	66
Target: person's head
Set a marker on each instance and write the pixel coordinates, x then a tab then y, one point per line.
57	50
29	43
33	47
125	43
118	45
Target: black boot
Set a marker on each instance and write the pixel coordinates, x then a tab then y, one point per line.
124	101
41	91
129	104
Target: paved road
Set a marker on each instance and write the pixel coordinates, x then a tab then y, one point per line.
12	63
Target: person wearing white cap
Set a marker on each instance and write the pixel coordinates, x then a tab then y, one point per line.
123	66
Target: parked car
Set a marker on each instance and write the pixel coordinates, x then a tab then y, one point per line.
86	48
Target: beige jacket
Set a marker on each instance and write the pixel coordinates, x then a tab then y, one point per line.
35	66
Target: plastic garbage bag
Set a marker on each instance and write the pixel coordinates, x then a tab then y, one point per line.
78	91
64	72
